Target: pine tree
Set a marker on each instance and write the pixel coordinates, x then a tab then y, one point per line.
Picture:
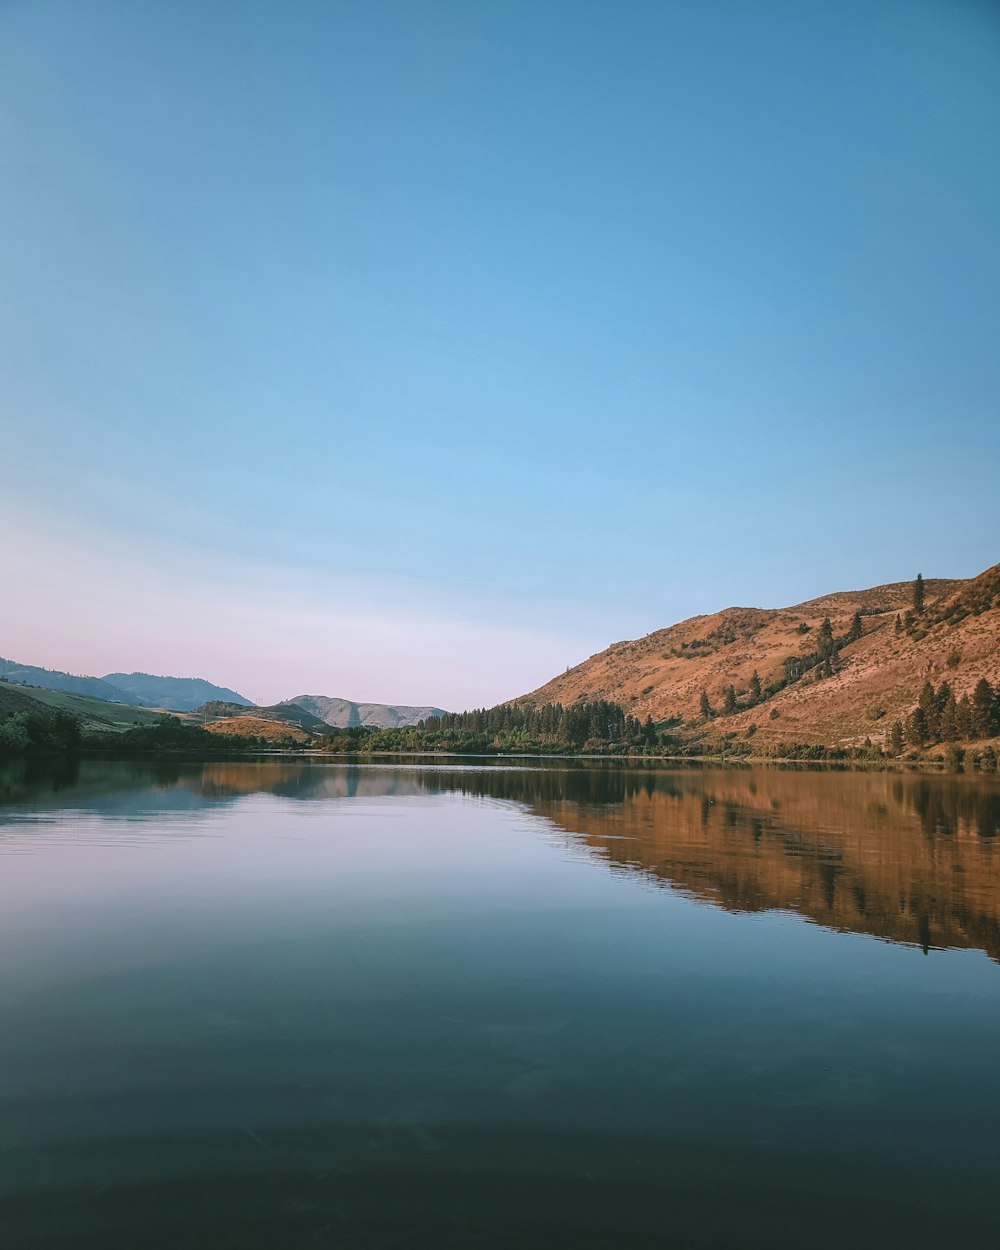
918	594
948	725
983	706
705	706
755	691
856	629
899	624
896	738
916	728
729	705
826	645
966	720
928	705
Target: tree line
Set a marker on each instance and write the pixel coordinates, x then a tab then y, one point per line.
941	717
597	725
24	734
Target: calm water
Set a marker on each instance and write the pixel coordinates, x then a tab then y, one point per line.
296	1005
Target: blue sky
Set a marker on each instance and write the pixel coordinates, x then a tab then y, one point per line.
414	351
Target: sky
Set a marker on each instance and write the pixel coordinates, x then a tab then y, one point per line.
412	352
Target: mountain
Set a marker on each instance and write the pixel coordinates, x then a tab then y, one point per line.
283	713
179	694
876	677
342	713
54	679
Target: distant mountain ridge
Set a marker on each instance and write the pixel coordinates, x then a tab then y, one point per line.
179	694
176	694
343	713
194	694
55	679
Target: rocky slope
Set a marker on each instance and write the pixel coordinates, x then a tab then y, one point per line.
876	679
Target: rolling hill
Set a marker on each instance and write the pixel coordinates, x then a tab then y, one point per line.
72	683
179	694
283	713
93	714
876	679
277	732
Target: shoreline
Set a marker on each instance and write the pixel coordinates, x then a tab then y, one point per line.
923	765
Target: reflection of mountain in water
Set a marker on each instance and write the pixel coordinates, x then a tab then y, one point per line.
905	858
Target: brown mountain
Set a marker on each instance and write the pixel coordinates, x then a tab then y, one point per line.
877	676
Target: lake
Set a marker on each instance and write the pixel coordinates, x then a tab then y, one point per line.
494	1004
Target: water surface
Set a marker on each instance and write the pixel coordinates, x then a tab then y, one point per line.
304	1004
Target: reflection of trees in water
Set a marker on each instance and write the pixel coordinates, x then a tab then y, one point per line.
906	858
943	810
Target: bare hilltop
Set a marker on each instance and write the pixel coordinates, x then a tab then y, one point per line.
833	670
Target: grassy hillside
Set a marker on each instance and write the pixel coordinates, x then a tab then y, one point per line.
15	698
95	714
54	679
876	679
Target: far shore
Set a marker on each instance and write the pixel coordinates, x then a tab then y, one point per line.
924	764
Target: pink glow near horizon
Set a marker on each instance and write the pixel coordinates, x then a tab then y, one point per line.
76	607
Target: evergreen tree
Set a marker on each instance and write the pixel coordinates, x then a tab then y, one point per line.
916	728
918	594
983	709
705	706
896	738
948	726
729	705
755	691
856	629
826	646
899	624
928	705
966	723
